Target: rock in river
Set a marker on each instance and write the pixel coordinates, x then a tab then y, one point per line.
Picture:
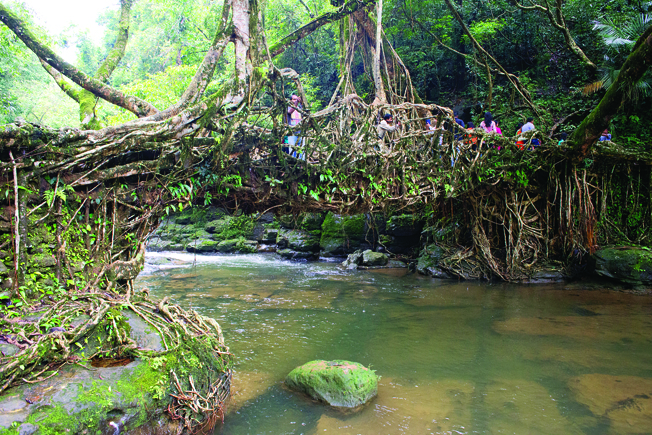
342	384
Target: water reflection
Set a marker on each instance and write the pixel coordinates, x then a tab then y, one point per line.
454	357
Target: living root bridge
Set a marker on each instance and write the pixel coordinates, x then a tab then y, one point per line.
132	175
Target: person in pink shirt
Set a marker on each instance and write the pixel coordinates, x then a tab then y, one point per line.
294	118
489	125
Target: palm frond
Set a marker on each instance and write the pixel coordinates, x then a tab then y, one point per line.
624	36
636	27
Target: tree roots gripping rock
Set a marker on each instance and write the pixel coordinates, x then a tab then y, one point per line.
89	326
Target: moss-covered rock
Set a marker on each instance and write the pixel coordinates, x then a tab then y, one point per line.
157	244
239	245
405	225
203	246
629	264
288	221
341	235
298	240
217	226
269	235
42	261
403	234
428	262
366	259
371	258
311	221
339	383
290	254
353	260
113	399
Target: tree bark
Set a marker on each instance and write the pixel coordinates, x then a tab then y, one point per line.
381	98
637	63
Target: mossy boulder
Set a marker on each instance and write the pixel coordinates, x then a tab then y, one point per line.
202	246
366	259
405	225
157	244
217	226
403	234
339	383
288	221
232	227
371	258
290	254
42	261
629	264
428	262
269	235
298	240
341	235
353	260
311	221
239	245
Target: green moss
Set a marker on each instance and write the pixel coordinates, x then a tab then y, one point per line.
240	245
339	383
342	234
136	389
232	227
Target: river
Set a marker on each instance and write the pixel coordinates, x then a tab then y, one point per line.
454	357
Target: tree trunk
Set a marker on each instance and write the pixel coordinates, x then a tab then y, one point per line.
381	98
637	63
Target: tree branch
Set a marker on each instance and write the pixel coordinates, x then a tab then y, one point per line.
513	79
135	105
117	52
60	80
346	9
557	20
204	73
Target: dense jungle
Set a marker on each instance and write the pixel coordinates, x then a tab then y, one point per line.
401	159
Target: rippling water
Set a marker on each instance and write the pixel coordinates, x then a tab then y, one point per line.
454	357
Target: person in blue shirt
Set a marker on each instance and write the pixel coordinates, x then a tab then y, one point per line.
605	135
458	120
456	130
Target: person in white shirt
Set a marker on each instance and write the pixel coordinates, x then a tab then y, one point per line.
528	125
387	124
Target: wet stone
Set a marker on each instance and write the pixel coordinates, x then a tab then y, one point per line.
339	383
142	333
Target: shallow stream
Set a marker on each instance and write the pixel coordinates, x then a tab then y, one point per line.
454	357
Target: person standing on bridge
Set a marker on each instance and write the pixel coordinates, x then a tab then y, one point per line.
386	125
294	118
489	125
529	126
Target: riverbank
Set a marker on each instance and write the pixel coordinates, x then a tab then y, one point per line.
430	250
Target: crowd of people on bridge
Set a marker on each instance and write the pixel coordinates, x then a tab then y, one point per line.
386	126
